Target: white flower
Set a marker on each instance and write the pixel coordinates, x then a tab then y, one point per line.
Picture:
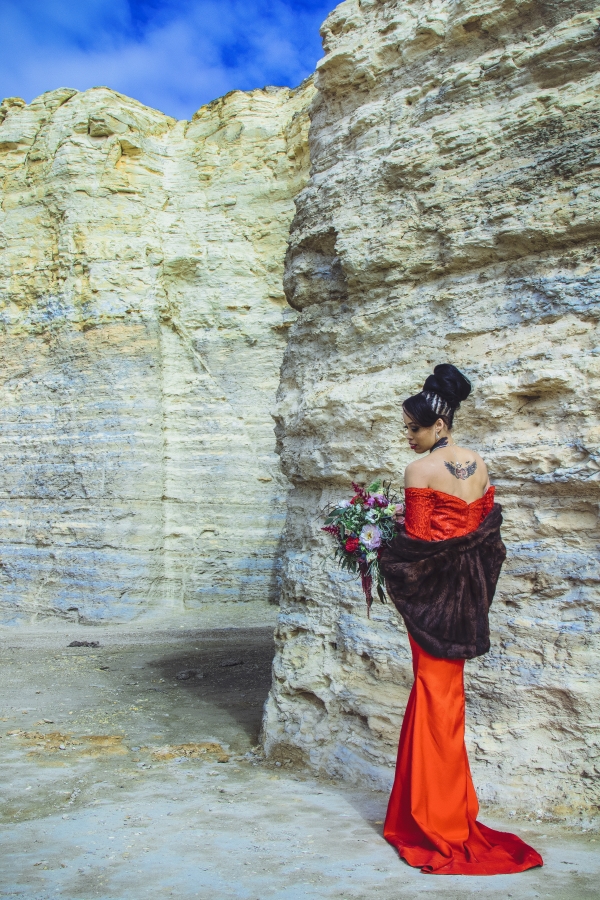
371	516
371	555
370	537
343	504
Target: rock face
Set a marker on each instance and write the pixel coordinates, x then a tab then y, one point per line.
143	326
452	215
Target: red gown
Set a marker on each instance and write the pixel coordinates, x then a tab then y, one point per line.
432	813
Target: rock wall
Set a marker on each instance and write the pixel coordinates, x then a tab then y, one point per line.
452	214
143	324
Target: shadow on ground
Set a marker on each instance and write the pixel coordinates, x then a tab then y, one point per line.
128	782
234	677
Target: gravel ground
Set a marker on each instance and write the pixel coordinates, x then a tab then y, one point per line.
123	781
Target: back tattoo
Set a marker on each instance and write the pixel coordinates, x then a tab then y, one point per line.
460	471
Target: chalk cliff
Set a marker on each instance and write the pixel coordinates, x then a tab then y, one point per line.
143	323
452	214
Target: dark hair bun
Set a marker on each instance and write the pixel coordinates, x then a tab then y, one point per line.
449	383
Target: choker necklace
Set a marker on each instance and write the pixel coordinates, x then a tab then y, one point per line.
443	442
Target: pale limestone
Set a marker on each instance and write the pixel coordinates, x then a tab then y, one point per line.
143	327
452	214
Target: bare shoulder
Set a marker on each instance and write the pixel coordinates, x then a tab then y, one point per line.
483	469
454	470
473	455
417	473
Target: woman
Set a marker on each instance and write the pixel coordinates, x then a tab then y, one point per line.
441	573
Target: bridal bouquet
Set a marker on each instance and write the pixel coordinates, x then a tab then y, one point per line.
361	526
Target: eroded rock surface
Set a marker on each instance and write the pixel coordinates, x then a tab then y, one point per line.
143	326
452	215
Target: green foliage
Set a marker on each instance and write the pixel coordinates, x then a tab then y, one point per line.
374	507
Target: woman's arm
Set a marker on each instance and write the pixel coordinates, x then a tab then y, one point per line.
485	472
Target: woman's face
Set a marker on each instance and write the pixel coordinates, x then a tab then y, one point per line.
419	438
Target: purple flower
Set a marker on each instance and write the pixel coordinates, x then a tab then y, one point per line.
370	537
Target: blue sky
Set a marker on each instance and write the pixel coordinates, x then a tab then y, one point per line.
174	55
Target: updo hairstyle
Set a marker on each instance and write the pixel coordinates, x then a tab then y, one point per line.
441	396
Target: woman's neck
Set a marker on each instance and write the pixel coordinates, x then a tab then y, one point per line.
445	441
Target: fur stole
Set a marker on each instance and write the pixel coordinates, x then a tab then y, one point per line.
444	589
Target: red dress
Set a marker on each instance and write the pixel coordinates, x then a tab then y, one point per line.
432	813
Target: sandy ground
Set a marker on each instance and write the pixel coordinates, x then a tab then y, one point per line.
123	782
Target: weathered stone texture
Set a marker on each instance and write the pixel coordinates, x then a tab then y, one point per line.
143	326
452	215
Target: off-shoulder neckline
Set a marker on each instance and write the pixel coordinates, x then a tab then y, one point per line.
453	496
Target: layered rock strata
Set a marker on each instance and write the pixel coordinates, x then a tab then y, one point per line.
452	215
143	325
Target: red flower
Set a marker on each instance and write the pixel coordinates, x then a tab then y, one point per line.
359	489
352	545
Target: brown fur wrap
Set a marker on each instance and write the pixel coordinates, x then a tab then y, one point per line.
444	589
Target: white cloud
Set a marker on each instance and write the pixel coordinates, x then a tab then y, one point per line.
174	55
